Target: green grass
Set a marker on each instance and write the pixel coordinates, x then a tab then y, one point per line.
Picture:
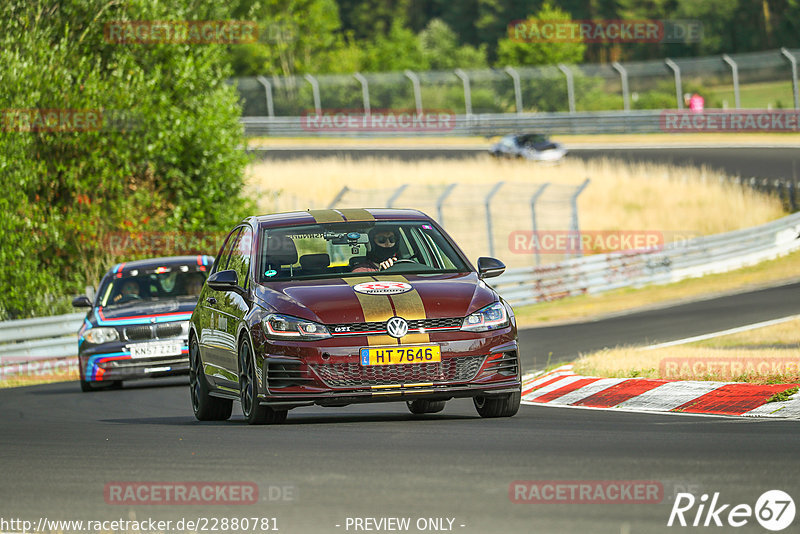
777	95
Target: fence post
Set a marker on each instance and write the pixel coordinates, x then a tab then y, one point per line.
574	203
467	92
678	85
511	71
440	202
534	199
267	89
315	91
338	197
570	86
735	73
487	203
364	92
623	77
395	195
793	60
417	91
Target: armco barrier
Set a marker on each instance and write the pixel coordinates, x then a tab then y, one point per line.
55	337
678	261
40	338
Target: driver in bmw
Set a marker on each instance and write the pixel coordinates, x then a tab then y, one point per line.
383	250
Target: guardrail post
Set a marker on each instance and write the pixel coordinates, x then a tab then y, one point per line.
534	199
623	77
315	91
678	85
511	71
364	92
793	60
487	203
267	89
395	195
338	197
440	202
575	227
467	92
735	73
570	86
417	91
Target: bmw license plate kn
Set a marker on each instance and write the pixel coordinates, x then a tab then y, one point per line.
400	355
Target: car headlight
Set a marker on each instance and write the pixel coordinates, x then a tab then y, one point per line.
287	327
491	317
100	335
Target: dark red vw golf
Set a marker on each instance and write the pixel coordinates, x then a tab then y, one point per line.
334	307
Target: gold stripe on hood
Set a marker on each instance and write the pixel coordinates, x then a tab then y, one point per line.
376	308
409	306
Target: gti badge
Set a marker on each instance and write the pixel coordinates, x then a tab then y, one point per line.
397	327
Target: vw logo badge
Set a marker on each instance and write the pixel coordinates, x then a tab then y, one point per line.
397	327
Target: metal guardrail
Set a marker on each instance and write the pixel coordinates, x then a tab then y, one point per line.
594	122
39	338
692	258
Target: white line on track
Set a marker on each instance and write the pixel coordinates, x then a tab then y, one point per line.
722	332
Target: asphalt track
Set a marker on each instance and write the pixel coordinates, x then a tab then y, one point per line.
59	448
747	161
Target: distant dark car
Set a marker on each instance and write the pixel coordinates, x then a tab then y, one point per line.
296	313
138	324
537	147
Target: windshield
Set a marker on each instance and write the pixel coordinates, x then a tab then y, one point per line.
344	249
163	283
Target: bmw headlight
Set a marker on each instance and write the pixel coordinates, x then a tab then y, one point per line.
491	317
279	326
100	335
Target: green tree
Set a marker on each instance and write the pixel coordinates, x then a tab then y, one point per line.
524	51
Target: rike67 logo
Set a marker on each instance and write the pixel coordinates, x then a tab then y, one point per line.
774	510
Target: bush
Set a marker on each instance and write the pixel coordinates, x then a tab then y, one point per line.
167	155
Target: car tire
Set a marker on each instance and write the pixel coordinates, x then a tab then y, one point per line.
419	407
500	406
254	413
87	386
205	407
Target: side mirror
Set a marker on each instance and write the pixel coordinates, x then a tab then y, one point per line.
82	302
490	267
224	281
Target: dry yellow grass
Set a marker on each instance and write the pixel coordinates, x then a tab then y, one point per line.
13	381
766	355
679	202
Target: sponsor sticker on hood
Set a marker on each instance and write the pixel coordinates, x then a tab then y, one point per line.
382	288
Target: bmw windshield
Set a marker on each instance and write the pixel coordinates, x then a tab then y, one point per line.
341	249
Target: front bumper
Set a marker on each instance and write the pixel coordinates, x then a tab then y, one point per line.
113	361
472	365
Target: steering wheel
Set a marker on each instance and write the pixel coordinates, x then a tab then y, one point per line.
404	260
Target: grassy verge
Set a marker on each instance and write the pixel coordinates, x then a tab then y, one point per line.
584	307
13	381
767	355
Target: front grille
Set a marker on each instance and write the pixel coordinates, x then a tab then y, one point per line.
380	326
144	362
282	374
165	330
505	363
458	369
139	332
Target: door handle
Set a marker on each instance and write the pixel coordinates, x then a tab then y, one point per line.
211	300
